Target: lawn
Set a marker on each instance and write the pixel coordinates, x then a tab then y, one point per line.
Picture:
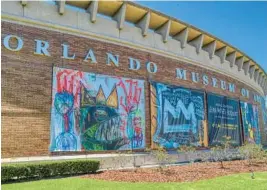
231	182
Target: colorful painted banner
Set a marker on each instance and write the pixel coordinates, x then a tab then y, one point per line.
264	117
96	112
264	112
223	119
250	120
177	116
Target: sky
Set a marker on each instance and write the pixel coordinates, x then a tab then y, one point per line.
241	24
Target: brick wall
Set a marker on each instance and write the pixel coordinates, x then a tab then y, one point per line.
27	81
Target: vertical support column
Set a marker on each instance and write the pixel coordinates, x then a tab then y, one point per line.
256	74
221	53
23	3
231	58
251	71
262	81
182	37
246	66
210	48
260	78
264	84
164	30
92	9
239	62
197	42
120	16
61	6
144	24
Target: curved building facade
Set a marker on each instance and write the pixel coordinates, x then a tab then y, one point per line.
86	77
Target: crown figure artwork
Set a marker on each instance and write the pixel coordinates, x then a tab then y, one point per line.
91	98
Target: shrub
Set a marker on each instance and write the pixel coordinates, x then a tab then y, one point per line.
253	153
223	152
204	156
11	172
189	151
162	157
219	154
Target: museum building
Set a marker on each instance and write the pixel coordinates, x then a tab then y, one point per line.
82	77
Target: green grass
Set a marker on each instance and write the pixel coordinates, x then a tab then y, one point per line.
232	182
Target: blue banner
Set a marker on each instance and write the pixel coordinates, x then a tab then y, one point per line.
264	117
264	112
177	116
223	120
250	120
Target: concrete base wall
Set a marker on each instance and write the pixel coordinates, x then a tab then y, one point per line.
109	161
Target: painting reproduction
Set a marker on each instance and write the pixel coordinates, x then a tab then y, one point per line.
96	112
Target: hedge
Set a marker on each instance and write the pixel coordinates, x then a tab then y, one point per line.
25	171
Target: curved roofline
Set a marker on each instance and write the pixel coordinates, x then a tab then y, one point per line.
198	29
112	8
128	21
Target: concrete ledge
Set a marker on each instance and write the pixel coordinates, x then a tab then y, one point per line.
134	34
101	26
12	7
47	158
49	13
107	161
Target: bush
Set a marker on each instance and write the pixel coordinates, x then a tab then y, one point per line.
253	153
162	156
12	172
219	154
223	152
189	151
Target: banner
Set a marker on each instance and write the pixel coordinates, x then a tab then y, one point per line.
264	112
177	116
264	117
250	120
96	112
223	119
